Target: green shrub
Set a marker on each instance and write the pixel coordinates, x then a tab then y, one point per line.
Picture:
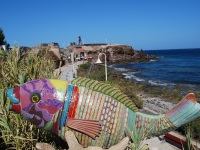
17	133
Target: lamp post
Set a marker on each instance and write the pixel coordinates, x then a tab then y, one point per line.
100	62
73	67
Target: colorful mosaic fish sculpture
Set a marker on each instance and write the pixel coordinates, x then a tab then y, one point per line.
98	113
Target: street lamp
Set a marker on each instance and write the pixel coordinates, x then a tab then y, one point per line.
100	62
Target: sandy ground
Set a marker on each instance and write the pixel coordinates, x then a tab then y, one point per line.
156	144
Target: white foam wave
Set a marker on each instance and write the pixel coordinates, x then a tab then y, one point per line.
152	60
160	83
121	69
131	75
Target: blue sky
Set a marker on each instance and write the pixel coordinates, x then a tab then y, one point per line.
144	24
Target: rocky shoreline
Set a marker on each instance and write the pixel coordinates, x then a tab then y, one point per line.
151	104
154	105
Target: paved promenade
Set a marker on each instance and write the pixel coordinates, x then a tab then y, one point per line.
69	71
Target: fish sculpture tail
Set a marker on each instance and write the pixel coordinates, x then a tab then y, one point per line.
187	110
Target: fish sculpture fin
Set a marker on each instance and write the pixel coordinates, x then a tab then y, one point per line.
91	128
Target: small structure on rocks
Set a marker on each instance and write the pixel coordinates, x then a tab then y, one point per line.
114	52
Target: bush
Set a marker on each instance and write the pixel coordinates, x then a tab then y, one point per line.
17	133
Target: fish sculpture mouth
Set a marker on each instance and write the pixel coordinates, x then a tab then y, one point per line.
13	95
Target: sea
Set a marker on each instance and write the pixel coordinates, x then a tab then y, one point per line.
173	67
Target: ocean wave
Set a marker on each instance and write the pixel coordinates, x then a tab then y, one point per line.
152	60
121	69
131	75
160	83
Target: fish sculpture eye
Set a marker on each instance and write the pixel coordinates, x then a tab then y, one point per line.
35	97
